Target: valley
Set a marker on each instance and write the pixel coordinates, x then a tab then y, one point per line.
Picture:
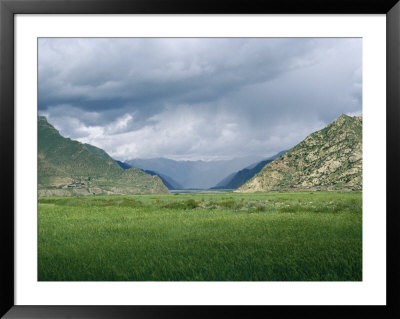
296	216
329	159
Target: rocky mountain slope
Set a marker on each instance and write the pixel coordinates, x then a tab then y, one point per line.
329	159
67	167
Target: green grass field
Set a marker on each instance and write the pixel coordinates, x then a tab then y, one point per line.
201	237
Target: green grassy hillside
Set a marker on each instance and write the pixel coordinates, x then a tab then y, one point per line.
329	159
68	167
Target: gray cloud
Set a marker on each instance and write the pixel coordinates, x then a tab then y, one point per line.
197	98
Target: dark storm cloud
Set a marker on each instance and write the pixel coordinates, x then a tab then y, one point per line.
197	98
101	73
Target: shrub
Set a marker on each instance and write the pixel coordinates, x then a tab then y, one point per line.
190	204
227	204
260	208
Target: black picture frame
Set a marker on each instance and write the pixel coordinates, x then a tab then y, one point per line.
8	8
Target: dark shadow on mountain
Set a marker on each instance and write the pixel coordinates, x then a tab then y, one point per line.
237	179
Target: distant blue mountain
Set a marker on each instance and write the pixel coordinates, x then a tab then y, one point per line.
168	181
194	174
237	179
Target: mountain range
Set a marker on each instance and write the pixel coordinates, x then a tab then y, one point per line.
67	167
329	159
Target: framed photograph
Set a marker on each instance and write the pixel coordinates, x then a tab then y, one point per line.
176	159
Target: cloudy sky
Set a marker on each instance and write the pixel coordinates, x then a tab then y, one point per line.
197	98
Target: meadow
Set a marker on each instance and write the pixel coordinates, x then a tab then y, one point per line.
299	236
